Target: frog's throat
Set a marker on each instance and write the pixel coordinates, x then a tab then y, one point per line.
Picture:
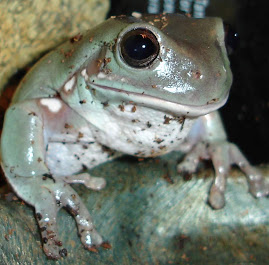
159	104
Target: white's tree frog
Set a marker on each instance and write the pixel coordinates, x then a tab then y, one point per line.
142	86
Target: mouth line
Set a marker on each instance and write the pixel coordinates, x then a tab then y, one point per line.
161	104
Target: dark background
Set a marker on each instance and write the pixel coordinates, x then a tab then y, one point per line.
246	115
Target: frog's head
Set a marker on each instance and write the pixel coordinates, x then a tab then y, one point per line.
168	62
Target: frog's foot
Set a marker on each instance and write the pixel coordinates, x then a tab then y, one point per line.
89	181
223	155
190	162
258	187
52	197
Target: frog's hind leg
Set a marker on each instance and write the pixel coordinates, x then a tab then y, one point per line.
208	140
257	185
218	153
223	156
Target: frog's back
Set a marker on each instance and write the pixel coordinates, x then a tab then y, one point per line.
47	77
50	73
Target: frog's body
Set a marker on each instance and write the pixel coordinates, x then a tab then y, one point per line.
96	98
143	132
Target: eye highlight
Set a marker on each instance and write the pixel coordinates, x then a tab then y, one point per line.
139	48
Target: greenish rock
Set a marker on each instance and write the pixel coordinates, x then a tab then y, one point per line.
150	215
29	28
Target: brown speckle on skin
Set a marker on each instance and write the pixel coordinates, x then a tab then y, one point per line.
83	101
166	120
105	104
107	61
181	119
48	176
134	108
80	135
99	62
162	147
121	107
196	74
39	160
158	140
149	124
154	86
76	38
68	53
214	100
68	126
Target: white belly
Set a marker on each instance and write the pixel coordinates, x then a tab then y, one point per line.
144	132
139	132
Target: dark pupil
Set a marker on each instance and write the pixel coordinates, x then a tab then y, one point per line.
139	47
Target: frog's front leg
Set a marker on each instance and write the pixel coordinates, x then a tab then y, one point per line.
208	140
53	197
23	147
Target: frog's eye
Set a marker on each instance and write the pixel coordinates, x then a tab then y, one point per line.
139	48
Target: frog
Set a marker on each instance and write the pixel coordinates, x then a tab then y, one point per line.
142	85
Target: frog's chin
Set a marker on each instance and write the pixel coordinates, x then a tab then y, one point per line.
158	103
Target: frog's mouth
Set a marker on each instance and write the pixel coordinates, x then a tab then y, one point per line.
158	103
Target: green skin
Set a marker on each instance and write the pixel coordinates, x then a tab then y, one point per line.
84	100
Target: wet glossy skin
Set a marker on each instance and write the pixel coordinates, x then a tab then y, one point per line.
87	102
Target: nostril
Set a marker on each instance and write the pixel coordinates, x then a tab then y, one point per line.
197	74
